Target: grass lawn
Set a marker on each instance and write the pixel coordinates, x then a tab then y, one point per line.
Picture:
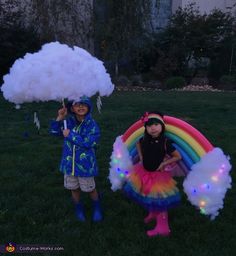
36	209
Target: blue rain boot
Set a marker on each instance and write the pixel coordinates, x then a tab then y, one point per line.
80	211
97	212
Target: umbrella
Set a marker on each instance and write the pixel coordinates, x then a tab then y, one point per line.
56	72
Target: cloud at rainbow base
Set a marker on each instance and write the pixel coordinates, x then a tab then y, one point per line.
56	72
208	181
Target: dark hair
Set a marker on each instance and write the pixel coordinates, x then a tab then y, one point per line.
152	121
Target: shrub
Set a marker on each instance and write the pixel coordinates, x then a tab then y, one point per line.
175	82
227	79
121	81
228	82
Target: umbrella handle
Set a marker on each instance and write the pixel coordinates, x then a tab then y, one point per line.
63	103
65	124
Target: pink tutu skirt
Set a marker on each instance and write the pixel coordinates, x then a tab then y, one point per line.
153	190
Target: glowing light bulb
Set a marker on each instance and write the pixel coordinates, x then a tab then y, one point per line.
205	186
221	170
202	210
202	203
214	178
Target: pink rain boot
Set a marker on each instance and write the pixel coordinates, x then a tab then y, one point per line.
162	225
151	216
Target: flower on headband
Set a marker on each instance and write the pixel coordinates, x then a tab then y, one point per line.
144	118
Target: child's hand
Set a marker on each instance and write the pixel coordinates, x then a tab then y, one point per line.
161	167
141	160
62	112
66	132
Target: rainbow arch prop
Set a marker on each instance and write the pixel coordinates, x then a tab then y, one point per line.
191	144
206	167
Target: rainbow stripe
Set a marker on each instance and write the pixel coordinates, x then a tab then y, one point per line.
191	144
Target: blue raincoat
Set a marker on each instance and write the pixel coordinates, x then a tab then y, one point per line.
78	157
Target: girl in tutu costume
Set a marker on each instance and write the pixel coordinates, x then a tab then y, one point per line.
150	184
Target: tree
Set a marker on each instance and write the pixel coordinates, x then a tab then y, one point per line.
15	39
120	32
192	37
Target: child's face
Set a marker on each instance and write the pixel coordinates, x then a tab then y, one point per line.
154	129
80	109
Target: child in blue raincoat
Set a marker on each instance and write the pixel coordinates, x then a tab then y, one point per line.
78	163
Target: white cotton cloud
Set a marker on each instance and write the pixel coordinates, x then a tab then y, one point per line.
120	164
208	181
54	73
